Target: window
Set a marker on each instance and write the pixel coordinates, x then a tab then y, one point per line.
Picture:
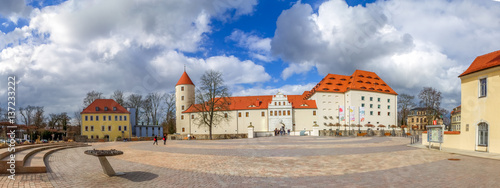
379	113
417	120
388	100
182	89
275	113
279	112
288	112
182	107
109	118
114	108
314	112
362	104
183	129
120	118
371	113
412	120
86	128
91	136
378	106
91	128
388	114
371	105
362	98
86	118
482	134
96	108
271	113
246	114
371	98
119	128
192	116
124	118
279	103
104	118
388	106
263	114
91	118
182	98
182	117
105	108
378	99
482	87
275	104
125	128
102	128
109	128
225	115
116	118
97	118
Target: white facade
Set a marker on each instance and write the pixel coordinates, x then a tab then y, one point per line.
280	113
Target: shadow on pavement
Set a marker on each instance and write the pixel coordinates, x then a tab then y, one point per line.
138	176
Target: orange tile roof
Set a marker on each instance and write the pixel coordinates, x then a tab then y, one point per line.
483	62
359	80
262	102
184	79
101	103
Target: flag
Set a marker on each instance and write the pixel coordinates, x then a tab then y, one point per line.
362	114
341	113
351	115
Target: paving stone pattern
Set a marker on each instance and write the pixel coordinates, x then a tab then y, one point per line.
265	162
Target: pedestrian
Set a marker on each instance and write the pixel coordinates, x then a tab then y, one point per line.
164	139
288	132
155	140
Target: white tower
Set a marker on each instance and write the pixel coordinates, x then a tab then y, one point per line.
184	97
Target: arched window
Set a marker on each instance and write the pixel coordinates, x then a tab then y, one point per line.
482	133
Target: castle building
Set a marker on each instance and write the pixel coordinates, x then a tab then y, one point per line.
359	99
105	119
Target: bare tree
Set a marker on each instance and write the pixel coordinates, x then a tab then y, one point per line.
91	97
39	118
134	101
63	120
430	99
27	114
169	123
153	107
78	117
405	103
52	120
146	110
118	97
212	99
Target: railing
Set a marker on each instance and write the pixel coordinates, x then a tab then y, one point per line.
414	139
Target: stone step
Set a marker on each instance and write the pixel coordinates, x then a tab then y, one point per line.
26	159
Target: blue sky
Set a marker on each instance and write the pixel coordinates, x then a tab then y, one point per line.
60	50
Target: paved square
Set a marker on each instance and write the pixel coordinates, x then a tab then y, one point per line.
266	162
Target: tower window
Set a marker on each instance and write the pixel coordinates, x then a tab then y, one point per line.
246	114
263	114
182	117
239	114
182	98
182	107
314	112
182	89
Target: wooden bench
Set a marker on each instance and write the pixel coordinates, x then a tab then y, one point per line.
361	134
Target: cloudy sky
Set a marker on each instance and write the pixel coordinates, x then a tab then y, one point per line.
60	50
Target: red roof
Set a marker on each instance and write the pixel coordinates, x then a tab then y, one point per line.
359	80
262	102
184	79
102	104
483	62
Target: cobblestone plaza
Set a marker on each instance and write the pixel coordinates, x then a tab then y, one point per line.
287	161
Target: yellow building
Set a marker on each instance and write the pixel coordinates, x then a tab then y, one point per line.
105	119
479	123
417	119
480	130
456	118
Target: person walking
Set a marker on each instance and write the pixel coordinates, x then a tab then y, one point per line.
164	139
288	132
155	140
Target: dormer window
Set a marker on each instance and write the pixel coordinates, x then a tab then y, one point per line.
361	76
368	82
336	90
372	88
328	83
343	79
377	78
369	77
332	78
387	90
326	89
114	108
105	108
383	85
379	89
96	108
375	83
360	81
363	87
339	84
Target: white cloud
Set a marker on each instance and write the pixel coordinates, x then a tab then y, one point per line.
259	48
410	44
285	89
135	46
13	10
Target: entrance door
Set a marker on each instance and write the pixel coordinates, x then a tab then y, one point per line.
482	134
